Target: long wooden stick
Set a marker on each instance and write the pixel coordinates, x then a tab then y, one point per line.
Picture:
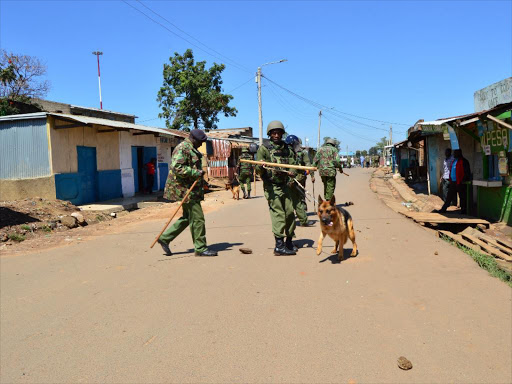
175	212
254	174
277	165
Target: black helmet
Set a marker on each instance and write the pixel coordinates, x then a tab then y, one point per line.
253	148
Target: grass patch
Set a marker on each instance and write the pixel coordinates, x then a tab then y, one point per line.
16	237
26	227
484	261
46	228
99	218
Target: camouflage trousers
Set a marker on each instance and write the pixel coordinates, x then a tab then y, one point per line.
281	209
299	202
329	186
192	216
245	180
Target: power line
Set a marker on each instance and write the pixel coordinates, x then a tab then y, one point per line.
192	37
350	133
325	108
181	37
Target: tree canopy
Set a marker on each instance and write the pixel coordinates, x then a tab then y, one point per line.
20	80
191	94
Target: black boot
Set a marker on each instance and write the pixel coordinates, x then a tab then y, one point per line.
248	194
245	194
280	249
289	244
207	253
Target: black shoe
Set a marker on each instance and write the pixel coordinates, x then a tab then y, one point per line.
281	250
308	223
248	194
245	194
289	244
207	253
165	247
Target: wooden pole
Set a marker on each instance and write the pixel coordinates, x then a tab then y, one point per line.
254	175
175	212
277	165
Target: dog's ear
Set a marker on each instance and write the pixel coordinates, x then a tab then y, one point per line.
332	201
320	200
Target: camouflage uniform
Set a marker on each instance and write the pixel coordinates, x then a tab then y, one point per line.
245	171
328	161
297	193
186	166
276	187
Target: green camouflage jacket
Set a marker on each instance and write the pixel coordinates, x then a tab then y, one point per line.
302	158
327	161
275	153
245	169
185	168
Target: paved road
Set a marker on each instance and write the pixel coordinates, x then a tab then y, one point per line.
109	310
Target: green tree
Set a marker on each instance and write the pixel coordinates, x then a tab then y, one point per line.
364	153
358	154
191	94
20	81
373	151
381	144
336	141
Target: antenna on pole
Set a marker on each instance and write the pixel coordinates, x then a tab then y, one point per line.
98	53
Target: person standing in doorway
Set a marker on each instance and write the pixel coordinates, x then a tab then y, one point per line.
150	175
460	173
445	177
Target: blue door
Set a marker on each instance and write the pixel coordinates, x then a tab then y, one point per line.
138	168
150	153
88	172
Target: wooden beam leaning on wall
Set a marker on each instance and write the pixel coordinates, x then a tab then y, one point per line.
499	121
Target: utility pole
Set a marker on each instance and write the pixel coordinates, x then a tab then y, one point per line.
319	123
390	135
98	53
258	80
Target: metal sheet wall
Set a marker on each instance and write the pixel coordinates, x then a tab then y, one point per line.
24	149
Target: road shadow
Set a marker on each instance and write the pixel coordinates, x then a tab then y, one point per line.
333	257
345	204
9	217
219	247
304	243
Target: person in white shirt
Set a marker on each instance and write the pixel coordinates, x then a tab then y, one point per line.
445	178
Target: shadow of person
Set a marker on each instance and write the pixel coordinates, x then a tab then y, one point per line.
219	247
345	204
333	257
304	243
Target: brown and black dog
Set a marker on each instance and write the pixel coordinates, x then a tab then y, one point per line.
337	223
234	186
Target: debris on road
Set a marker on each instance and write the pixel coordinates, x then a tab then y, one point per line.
246	251
404	364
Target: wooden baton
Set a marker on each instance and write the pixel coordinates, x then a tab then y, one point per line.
291	166
175	212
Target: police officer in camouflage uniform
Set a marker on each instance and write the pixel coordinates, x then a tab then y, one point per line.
186	167
276	187
298	195
245	172
327	160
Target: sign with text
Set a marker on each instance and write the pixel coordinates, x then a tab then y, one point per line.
493	95
495	137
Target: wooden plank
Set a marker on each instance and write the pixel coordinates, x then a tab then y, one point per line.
488	248
442	219
504	244
458	239
488	239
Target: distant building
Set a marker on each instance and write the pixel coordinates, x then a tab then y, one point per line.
79	154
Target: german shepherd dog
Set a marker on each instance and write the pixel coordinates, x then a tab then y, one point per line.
234	186
337	223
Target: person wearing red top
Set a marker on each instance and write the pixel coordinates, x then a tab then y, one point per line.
460	172
150	175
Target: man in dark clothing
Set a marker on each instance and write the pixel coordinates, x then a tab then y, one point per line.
460	172
150	175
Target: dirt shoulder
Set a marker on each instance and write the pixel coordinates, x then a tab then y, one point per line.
38	222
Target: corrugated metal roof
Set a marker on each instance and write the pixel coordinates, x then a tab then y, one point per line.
97	121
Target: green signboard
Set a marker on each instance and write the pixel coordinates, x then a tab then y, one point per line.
494	138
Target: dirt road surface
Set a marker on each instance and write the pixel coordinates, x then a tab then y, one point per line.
111	310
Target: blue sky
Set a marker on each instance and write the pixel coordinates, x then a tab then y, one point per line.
393	61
